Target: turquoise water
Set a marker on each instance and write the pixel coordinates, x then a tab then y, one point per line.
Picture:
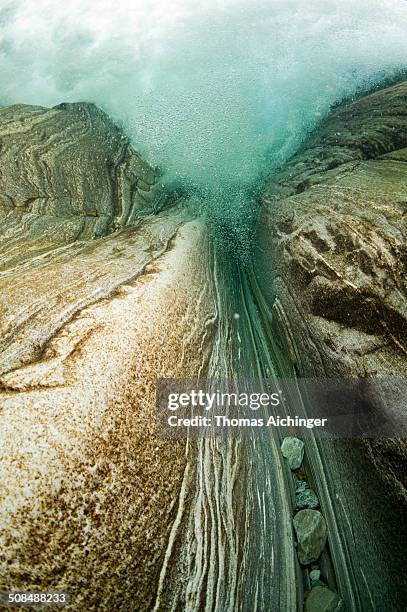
215	95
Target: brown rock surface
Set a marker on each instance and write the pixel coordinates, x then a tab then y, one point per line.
88	492
335	230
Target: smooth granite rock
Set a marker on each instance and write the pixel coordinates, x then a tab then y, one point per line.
96	297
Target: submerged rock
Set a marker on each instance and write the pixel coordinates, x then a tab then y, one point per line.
333	225
311	531
306	498
322	599
314	575
332	257
67	173
293	450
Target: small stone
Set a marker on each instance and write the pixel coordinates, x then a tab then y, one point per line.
293	450
300	485
306	498
322	599
315	575
311	530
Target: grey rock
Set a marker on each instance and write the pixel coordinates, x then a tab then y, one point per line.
311	530
306	498
322	599
293	450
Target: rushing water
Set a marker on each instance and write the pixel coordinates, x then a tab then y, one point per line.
215	93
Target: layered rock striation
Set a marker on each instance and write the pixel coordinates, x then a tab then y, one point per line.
331	264
334	228
104	289
67	173
98	299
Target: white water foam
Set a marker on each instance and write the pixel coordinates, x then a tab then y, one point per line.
211	92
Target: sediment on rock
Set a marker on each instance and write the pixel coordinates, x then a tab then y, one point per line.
96	302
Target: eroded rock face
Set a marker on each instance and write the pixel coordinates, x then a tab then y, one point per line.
332	264
66	173
334	235
88	491
335	232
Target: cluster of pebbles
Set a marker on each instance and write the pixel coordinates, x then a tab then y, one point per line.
311	532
